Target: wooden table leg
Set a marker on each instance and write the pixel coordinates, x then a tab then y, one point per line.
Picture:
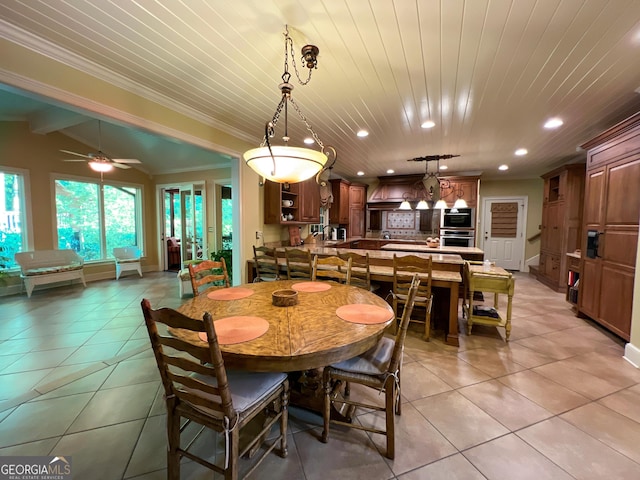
451	337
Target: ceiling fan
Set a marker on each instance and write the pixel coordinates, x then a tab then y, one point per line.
99	161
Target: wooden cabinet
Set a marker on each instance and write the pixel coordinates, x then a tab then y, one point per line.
357	202
561	223
309	201
339	211
298	202
611	218
453	188
573	278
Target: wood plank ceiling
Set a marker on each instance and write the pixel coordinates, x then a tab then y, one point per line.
489	73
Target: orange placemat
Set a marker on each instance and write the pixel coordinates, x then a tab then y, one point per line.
364	313
235	293
238	329
311	286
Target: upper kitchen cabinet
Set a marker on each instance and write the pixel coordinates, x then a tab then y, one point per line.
357	203
291	203
310	201
339	211
453	188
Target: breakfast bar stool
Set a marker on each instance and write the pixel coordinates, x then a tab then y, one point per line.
299	264
404	267
266	261
331	268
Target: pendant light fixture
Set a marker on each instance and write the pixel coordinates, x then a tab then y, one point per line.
284	163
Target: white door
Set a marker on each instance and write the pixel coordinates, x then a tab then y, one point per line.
503	231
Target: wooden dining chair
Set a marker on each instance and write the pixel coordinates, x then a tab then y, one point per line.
378	368
266	262
199	389
331	268
404	268
299	265
360	270
208	272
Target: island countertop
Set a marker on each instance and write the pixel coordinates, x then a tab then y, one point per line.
382	257
422	248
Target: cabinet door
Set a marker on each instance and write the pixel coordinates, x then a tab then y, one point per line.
357	196
309	201
356	222
555	227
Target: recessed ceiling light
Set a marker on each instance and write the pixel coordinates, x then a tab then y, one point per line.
360	173
521	151
308	140
503	167
362	133
428	124
443	167
391	170
553	123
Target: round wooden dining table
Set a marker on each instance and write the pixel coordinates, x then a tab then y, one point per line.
309	335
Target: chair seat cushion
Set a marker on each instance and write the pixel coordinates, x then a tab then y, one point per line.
247	388
48	270
372	362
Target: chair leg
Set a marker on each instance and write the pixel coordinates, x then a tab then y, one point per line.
347	389
398	397
283	422
326	412
173	457
231	473
390	393
427	326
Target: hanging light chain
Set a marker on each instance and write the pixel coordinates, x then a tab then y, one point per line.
288	47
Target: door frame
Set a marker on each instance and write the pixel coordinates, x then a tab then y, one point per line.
163	256
522	221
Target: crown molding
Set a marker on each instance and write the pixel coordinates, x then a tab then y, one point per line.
48	49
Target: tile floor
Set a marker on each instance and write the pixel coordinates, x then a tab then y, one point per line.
557	402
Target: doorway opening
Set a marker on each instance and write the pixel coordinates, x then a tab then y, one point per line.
184	225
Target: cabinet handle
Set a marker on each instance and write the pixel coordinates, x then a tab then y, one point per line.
600	244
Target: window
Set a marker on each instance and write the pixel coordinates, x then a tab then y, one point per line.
93	218
13	215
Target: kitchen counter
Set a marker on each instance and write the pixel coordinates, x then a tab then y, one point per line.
422	247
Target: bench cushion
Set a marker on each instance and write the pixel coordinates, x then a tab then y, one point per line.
49	270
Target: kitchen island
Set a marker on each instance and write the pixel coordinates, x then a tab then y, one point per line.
473	254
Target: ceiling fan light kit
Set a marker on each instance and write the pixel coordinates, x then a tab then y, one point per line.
282	163
98	161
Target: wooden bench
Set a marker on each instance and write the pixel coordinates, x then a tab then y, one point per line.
40	267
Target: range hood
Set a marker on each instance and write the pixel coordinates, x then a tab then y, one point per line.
392	190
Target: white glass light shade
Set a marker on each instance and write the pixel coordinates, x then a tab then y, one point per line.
460	203
292	164
405	205
440	204
422	205
100	166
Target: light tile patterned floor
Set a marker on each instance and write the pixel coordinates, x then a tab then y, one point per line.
557	402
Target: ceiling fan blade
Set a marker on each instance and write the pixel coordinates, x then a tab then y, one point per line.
75	153
125	160
73	160
120	165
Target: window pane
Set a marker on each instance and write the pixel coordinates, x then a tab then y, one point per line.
78	218
12	221
120	217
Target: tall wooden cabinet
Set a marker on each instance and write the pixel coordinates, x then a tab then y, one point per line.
610	226
357	204
561	223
